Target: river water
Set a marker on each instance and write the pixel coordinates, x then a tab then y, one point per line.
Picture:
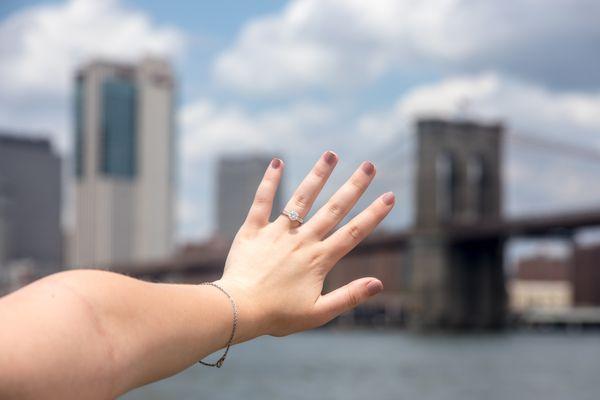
396	365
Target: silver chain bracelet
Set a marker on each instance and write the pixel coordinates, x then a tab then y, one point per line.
220	361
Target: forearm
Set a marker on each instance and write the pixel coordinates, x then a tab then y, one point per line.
112	330
92	334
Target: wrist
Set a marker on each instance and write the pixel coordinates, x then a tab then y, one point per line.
252	322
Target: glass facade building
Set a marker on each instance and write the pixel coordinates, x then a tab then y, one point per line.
118	127
118	147
79	125
124	162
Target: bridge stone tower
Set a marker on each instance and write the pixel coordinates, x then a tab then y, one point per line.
457	283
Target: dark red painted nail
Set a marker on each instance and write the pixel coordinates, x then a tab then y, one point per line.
374	287
275	163
329	157
368	167
388	198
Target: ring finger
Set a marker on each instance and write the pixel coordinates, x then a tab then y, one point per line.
311	186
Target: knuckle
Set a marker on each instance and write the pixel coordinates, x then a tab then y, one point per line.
355	232
300	200
261	199
320	173
352	298
357	184
262	193
335	210
315	260
298	245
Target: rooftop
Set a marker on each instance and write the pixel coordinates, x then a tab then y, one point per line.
23	140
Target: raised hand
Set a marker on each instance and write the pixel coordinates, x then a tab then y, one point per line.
275	270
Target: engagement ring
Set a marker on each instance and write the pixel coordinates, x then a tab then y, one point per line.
293	216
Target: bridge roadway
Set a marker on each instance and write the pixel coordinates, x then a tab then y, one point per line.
557	224
210	262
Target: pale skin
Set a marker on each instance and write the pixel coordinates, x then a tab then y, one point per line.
89	334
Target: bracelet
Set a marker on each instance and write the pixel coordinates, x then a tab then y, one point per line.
220	361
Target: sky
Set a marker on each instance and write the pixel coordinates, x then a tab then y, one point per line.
295	78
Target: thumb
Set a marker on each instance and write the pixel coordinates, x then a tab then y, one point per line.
346	298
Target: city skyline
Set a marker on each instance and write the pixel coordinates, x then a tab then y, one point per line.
310	88
440	160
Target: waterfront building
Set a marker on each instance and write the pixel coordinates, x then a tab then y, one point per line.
124	162
238	178
30	202
541	282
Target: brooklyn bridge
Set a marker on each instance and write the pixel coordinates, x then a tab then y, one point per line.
448	269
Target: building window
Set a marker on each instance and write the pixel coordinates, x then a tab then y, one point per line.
476	176
118	153
446	182
79	125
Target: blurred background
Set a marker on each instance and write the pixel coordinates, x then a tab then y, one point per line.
134	133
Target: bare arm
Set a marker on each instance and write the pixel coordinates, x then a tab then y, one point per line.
96	334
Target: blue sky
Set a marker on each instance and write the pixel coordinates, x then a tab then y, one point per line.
295	78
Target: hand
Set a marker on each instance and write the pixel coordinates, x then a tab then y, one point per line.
275	271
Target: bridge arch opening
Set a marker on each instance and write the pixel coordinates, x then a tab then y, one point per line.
446	186
477	177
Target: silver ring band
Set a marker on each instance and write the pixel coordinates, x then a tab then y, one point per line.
293	216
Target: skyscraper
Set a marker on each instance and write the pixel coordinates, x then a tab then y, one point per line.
237	180
124	162
30	200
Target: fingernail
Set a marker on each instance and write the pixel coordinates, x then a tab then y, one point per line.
388	198
368	167
374	287
275	163
329	157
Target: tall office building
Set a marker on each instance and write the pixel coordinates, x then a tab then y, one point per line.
124	162
237	180
30	199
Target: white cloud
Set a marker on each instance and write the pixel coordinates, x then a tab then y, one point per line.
41	46
301	131
532	172
325	43
335	43
210	129
526	107
385	136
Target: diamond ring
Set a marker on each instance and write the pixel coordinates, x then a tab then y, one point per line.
293	216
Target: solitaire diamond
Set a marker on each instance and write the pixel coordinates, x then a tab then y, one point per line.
293	216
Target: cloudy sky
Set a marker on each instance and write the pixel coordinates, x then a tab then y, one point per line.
295	78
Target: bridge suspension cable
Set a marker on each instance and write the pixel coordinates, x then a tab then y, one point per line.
563	148
396	152
396	158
